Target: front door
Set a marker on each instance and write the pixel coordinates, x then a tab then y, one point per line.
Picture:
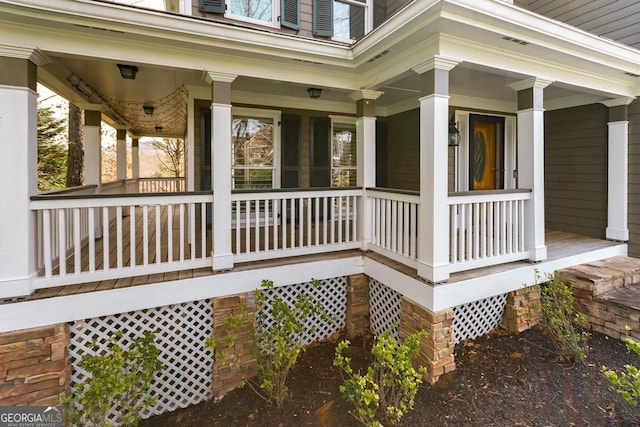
486	152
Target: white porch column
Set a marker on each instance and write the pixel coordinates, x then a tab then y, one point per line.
92	145
531	162
221	168
433	216
121	153
189	143
366	157
618	180
135	159
18	169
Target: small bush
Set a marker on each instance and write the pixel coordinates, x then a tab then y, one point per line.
388	388
118	378
626	383
560	318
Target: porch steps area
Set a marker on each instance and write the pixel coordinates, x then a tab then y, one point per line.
608	293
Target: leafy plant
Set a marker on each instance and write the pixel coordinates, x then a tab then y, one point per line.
560	318
280	328
118	378
626	383
388	388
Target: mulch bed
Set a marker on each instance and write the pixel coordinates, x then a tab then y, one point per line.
500	380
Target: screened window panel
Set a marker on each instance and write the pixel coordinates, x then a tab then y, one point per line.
344	146
252	140
343	178
252	178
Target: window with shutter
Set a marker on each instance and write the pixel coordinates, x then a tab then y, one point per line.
323	18
212	6
343	152
290	14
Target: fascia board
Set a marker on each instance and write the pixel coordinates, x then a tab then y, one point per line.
187	29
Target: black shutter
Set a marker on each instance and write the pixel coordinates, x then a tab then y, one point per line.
213	6
323	18
320	149
290	11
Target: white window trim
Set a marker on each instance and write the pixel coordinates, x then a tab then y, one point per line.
462	161
275	16
276	116
347	120
368	17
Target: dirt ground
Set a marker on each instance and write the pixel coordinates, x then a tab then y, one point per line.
500	380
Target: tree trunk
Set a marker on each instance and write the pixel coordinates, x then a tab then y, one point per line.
75	156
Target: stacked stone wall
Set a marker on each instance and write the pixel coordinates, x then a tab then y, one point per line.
358	317
522	310
34	366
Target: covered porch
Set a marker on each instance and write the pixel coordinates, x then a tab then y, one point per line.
300	190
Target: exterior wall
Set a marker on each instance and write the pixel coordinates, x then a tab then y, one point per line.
576	170
34	367
403	147
634	179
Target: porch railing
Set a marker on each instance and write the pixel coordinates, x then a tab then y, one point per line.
147	236
161	185
395	224
274	224
486	228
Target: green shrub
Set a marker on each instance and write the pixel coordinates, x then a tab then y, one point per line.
118	378
559	316
280	328
388	388
626	383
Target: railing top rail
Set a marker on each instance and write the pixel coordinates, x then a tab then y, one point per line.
296	193
164	178
108	200
394	191
489	192
67	190
293	190
488	196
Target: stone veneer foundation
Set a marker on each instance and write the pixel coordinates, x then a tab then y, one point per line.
358	317
34	366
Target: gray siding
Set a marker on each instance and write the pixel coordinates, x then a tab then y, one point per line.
634	179
576	170
403	151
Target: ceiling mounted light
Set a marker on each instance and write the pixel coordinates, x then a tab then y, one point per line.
128	71
148	109
314	92
158	128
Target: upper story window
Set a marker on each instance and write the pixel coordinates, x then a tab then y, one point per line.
344	20
275	13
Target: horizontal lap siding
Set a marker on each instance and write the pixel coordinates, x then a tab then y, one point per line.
576	170
634	179
403	150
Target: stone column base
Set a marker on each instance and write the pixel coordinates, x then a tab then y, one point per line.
522	310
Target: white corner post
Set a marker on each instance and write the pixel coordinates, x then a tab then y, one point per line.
221	168
365	158
135	158
618	160
18	169
121	154
433	213
531	162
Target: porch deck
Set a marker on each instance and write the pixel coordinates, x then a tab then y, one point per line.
559	245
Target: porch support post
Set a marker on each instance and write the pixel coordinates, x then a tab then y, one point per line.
18	169
531	162
92	145
433	216
618	159
189	143
366	157
121	154
221	168
135	159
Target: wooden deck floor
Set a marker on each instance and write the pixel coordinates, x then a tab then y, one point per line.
559	245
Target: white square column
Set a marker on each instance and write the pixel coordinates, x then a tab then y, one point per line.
531	162
121	154
135	158
93	145
365	158
433	213
18	170
221	119
618	167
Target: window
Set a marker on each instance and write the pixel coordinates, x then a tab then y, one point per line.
258	11
343	152
344	20
255	149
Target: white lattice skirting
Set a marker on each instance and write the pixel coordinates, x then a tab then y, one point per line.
332	293
384	308
478	318
180	329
